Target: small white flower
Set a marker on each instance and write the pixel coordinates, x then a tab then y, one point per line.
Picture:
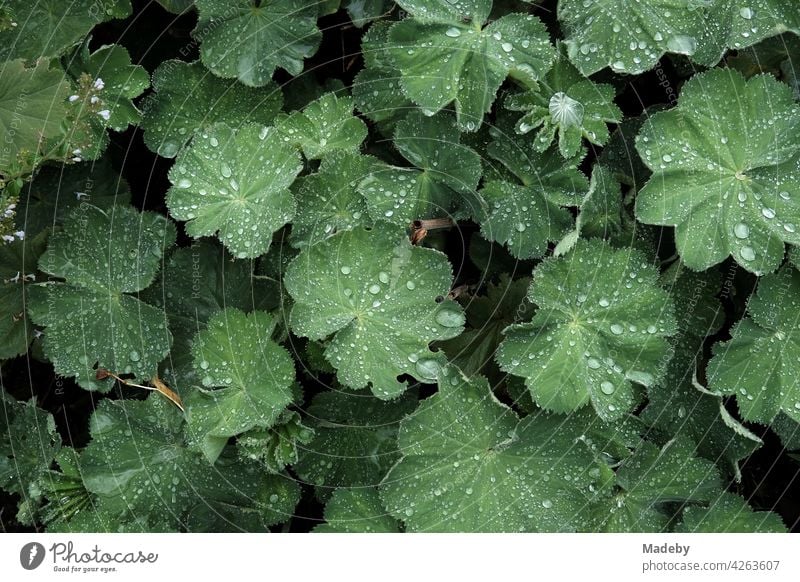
14	279
20	234
98	83
29	277
105	114
94	99
76	159
73	98
8	238
76	152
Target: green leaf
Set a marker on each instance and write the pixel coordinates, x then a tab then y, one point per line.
357	511
355	442
17	270
252	375
470	465
47	28
628	35
602	325
92	319
328	202
188	99
445	55
727	177
325	125
235	185
363	12
729	513
116	81
566	106
375	294
649	481
759	364
522	218
559	179
147	479
278	446
442	184
31	108
55	191
487	316
732	25
177	6
28	444
243	40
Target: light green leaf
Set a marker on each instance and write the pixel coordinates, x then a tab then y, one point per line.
647	482
251	373
522	218
188	99
759	364
328	202
470	465
47	28
31	108
235	185
147	479
376	295
116	82
442	184
726	170
628	35
445	55
729	513
240	39
357	511
566	106
363	12
355	442
91	319
601	326
325	125
278	446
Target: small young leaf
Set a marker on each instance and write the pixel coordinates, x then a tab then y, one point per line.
729	513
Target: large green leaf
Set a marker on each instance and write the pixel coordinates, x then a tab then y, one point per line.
147	479
470	465
357	511
235	184
726	170
761	362
376	294
445	55
46	28
31	108
188	99
443	183
729	513
249	39
601	326
92	319
251	373
630	36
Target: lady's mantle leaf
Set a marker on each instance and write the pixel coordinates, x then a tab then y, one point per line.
446	55
324	126
252	373
147	479
602	324
240	39
443	182
729	514
376	294
235	184
726	170
188	98
357	511
470	464
761	362
566	104
630	36
91	319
